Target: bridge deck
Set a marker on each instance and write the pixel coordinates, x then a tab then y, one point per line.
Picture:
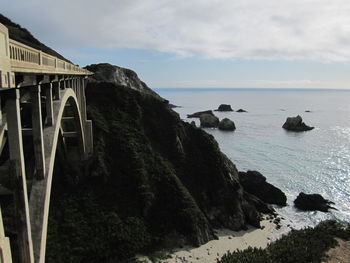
18	58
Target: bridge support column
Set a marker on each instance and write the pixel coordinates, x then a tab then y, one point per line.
5	250
78	91
0	113
49	104
17	173
56	90
63	84
75	88
82	99
38	139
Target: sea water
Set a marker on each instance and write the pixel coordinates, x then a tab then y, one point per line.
317	161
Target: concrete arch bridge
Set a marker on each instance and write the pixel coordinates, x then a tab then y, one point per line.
42	103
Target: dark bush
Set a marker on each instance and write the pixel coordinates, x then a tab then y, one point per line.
302	246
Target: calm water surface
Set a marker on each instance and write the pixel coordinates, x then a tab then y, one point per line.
317	161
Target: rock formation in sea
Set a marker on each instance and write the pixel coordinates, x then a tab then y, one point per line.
226	125
241	110
209	121
255	183
296	124
312	202
224	107
199	113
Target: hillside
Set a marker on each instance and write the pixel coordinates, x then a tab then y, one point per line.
153	181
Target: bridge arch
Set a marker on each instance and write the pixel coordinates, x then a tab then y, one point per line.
39	202
26	72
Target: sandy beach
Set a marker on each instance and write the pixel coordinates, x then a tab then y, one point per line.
228	241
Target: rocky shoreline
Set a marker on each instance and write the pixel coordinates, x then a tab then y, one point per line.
153	182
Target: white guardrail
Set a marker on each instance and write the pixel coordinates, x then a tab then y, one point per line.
26	59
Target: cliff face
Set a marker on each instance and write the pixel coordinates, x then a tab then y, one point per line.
153	181
105	72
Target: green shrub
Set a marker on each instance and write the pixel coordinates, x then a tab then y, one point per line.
302	246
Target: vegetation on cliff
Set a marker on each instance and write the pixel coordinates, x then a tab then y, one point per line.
302	246
153	181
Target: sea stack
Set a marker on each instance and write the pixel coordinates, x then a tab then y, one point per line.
227	125
224	107
296	124
209	121
200	113
312	202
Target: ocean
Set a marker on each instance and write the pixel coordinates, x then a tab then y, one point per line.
316	161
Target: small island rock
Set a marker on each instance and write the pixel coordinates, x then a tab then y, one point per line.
224	107
312	202
296	124
241	110
255	183
199	113
227	125
209	121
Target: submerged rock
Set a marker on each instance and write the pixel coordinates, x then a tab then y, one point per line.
200	113
209	121
227	125
312	202
241	110
296	124
255	183
224	107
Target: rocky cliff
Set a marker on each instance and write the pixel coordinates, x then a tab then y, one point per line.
153	181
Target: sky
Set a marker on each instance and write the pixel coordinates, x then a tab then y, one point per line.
200	43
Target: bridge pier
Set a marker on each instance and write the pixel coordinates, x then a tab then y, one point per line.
56	90
49	104
5	250
17	173
37	131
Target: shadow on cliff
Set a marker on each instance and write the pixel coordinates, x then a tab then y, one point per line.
153	181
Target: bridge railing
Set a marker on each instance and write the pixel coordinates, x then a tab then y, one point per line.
24	59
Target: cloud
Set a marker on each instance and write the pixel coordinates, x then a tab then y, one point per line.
238	29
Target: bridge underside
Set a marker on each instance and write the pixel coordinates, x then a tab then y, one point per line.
41	111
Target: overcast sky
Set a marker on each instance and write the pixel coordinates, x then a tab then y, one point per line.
200	43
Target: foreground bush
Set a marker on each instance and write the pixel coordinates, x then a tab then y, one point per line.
306	245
